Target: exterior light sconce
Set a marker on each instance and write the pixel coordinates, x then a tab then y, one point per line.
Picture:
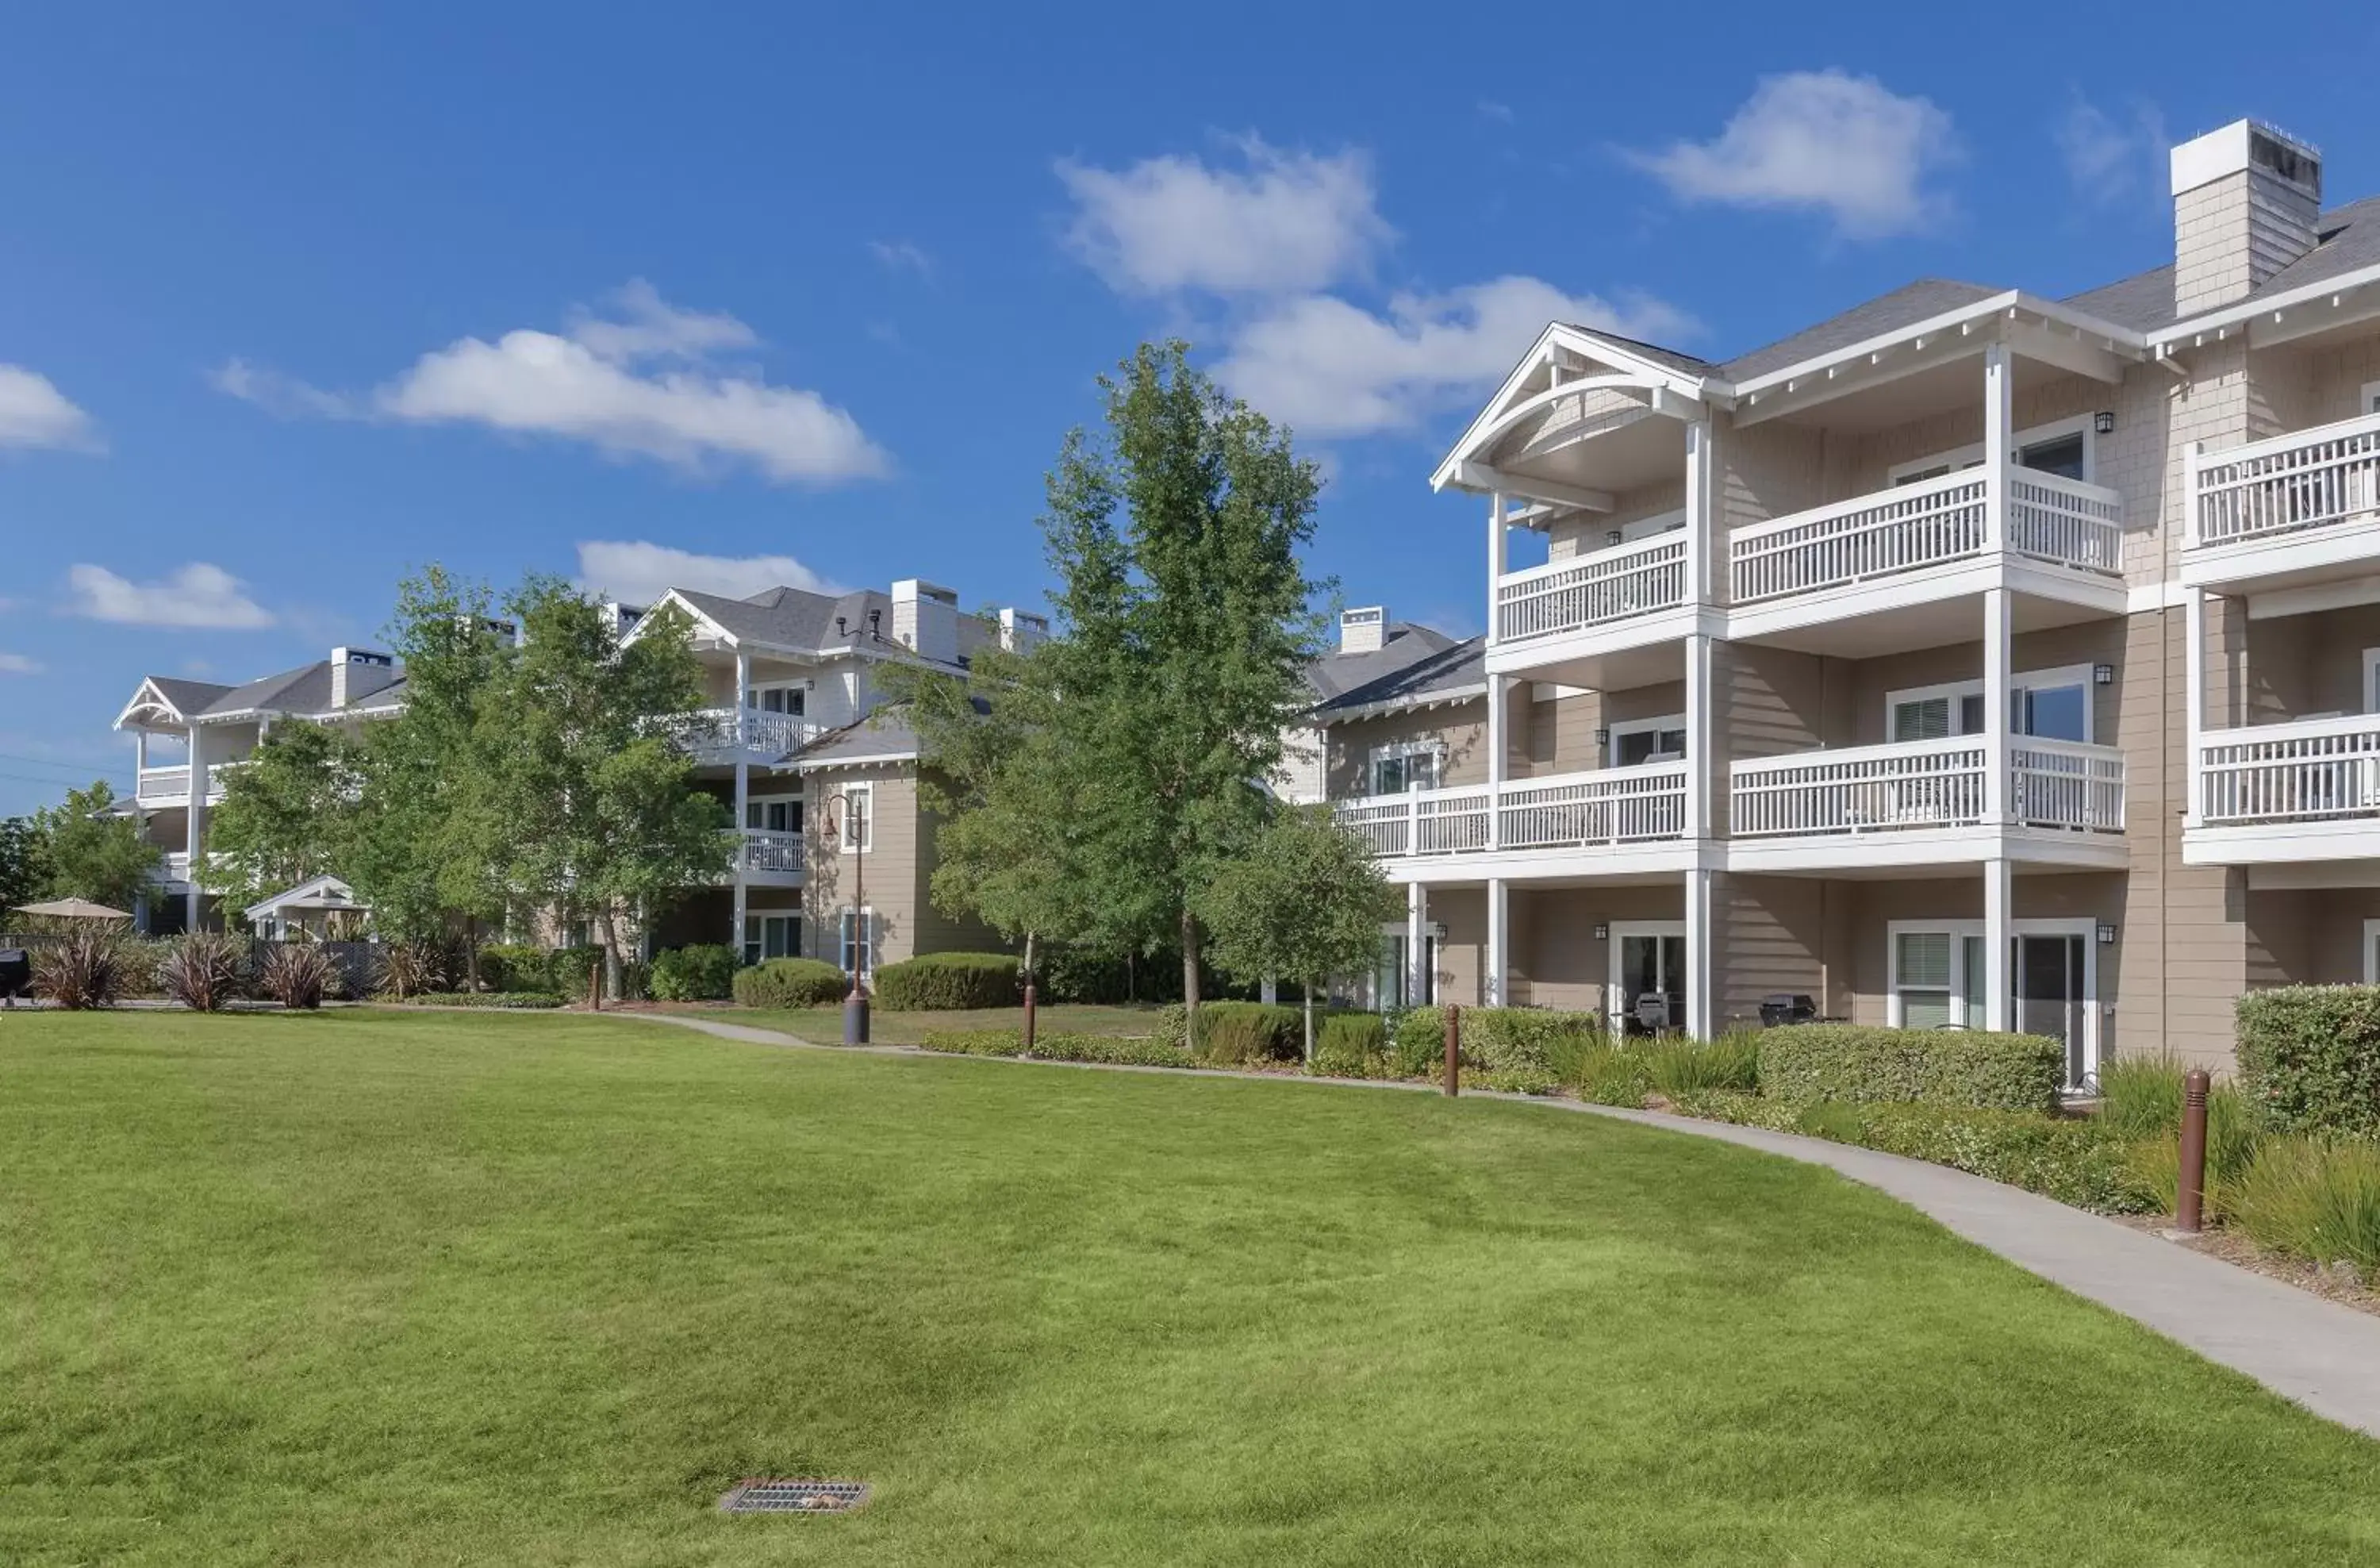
1602	931
2106	935
1603	738
2103	421
1612	537
2103	674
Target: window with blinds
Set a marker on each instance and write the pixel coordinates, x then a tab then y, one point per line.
1920	966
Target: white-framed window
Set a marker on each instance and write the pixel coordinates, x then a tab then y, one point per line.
776	814
2371	953
2062	446
1937	975
784	697
2368	400
2372	680
1404	765
772	936
2050	704
856	939
855	826
1939	980
1639	741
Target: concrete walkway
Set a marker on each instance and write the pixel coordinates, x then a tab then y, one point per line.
2322	1354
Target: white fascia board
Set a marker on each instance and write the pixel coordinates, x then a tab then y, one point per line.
2182	333
820	764
1453	696
671	596
2281	842
145	695
1581	341
1963	320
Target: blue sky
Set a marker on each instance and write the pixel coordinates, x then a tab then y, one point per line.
290	305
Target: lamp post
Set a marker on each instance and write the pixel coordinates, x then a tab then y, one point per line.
854	1002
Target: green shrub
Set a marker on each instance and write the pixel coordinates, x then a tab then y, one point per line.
1612	1075
1173	1025
1730	1063
2316	1197
1351	1045
1235	1033
947	982
505	966
2075	1162
1872	1065
1115	1050
501	999
1531	1042
704	972
2309	1058
791	982
1417	1043
975	1042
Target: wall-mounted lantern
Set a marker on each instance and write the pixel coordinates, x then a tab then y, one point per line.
1602	931
2103	674
2106	935
1603	737
2103	421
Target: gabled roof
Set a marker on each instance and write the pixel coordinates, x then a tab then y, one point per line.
188	697
317	893
1904	307
1454	672
796	618
306	690
1675	358
883	735
1402	645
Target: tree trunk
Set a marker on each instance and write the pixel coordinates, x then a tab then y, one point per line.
1309	1023
610	928
1190	977
470	952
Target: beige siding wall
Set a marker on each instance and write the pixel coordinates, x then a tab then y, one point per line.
1557	960
2288	666
1461	729
1582	535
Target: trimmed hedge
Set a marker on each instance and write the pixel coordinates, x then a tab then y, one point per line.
791	982
704	972
2074	1162
1352	1045
1115	1050
1866	1065
947	982
502	999
1529	1044
2309	1058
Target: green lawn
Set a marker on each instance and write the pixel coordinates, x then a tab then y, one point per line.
825	1024
382	1287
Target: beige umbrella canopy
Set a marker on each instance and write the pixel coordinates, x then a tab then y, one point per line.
72	909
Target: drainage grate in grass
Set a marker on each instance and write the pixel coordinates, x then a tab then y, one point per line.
776	1495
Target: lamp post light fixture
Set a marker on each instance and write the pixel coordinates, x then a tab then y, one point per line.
854	1002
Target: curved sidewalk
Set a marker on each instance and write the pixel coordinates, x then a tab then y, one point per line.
2322	1354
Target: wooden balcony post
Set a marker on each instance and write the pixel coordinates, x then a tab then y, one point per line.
1999	427
1699	743
1998	761
1496	559
1997	932
1492	991
1417	940
1498	690
1698	954
1699	530
2194	662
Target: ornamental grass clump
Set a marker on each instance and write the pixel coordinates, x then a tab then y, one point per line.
2316	1197
1728	1064
81	971
409	968
296	974
203	972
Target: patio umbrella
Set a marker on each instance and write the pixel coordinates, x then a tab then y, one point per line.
72	909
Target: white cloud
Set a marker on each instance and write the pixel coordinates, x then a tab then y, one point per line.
595	382
1824	141
1332	369
1490	109
901	255
18	665
2109	159
198	594
1288	221
33	412
635	572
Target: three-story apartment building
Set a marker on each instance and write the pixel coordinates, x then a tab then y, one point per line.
1971	657
834	852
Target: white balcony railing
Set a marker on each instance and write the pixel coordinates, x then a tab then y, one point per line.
769	851
2314	770
724	731
173	867
1609	806
1592	590
2311	478
1929	783
156	783
1930	523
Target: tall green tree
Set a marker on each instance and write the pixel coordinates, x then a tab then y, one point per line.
24	862
95	851
592	797
1186	611
1305	903
286	816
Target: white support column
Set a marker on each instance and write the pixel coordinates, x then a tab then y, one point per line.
197	819
1999	423
1496	557
1698	954
1500	942
743	844
1997	920
2193	660
1416	933
1698	727
743	698
1499	689
1998	762
140	757
1699	533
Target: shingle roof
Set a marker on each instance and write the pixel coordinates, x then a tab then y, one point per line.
306	689
1906	306
1451	668
884	732
188	697
792	617
2346	238
1675	358
1401	644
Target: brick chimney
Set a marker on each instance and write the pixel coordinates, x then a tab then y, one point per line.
1363	631
926	619
2246	202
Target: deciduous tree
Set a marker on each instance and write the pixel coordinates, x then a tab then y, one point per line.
94	851
1306	903
287	815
